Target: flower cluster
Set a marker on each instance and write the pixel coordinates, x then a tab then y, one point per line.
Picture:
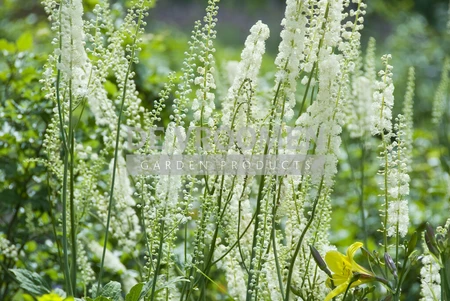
430	279
8	249
383	100
247	71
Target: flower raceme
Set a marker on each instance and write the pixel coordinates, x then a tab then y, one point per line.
344	269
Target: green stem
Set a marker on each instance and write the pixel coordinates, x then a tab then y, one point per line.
361	193
65	172
300	241
73	236
258	204
346	291
274	240
158	263
386	200
445	289
53	220
116	151
64	200
208	262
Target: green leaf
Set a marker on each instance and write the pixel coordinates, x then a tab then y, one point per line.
111	290
7	46
135	292
31	282
25	41
110	87
145	290
412	244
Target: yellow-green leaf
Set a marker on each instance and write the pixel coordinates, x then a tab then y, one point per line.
7	46
135	293
25	41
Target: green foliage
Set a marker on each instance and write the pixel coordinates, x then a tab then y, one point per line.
112	290
25	114
135	293
31	282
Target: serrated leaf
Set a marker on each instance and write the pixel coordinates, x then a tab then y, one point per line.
31	282
25	41
111	290
135	292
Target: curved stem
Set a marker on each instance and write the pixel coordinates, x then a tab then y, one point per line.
116	152
300	241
